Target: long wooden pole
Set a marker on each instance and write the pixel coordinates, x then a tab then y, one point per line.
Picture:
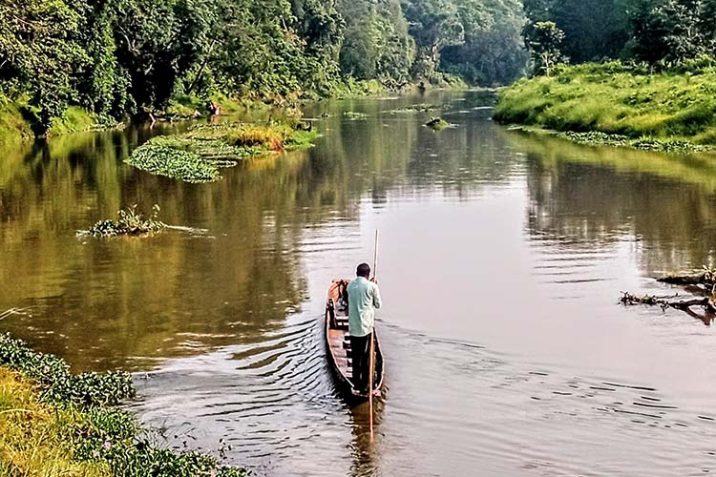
371	359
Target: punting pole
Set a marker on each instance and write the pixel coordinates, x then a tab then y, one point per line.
371	353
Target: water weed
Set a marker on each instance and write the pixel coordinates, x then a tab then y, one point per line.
129	222
55	423
198	155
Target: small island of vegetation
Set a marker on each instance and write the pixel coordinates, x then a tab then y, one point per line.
199	154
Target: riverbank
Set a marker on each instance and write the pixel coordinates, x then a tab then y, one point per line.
618	105
18	123
56	423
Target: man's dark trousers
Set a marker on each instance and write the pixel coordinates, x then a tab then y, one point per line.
360	346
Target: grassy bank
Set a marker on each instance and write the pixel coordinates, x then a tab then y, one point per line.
14	128
54	423
627	103
17	122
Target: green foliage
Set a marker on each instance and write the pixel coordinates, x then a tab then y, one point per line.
57	383
56	423
493	52
39	53
131	58
377	44
199	154
545	41
435	25
665	108
593	29
129	222
662	32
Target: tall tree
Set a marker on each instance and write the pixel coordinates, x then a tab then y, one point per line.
493	52
435	25
39	52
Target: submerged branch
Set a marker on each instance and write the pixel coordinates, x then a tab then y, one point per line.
700	284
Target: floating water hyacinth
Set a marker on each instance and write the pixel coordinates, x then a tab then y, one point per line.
198	155
55	422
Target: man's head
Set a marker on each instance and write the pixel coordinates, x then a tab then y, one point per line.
363	270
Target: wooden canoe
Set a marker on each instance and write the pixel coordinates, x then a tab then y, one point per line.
338	345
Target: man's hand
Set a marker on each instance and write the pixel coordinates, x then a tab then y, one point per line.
374	280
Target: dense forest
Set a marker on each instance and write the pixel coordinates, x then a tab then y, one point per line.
125	57
663	33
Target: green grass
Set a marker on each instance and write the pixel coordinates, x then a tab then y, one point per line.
13	127
74	120
38	439
55	424
352	88
615	99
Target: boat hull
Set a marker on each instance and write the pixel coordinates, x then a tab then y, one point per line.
338	351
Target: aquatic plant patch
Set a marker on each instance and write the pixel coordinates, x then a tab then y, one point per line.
56	423
437	124
57	383
199	154
129	222
596	138
355	116
172	157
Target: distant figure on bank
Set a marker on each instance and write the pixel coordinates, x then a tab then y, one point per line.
363	300
213	108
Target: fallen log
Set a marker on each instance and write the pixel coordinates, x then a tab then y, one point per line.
708	308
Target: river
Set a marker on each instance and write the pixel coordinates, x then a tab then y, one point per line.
502	258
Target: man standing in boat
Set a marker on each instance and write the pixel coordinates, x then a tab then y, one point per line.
363	300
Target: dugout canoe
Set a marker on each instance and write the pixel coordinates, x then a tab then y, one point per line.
338	347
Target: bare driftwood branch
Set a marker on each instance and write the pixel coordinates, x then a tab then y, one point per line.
674	301
707	311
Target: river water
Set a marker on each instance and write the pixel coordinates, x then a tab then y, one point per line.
502	258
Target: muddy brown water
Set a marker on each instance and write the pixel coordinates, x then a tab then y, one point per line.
502	258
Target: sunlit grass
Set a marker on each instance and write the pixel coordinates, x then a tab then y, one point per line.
37	439
197	156
54	423
74	120
13	127
615	100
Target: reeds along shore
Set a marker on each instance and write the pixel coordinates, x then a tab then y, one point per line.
616	99
54	423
